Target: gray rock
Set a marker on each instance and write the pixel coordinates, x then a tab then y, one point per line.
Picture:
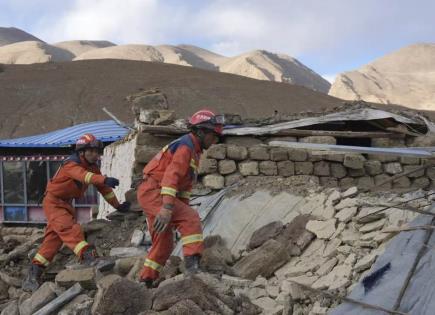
382	178
233	179
393	168
278	154
268	168
297	155
137	237
87	277
354	161
322	168
227	167
265	233
286	168
45	294
322	229
373	167
217	151
304	168
408	168
338	170
263	261
213	181
235	152
127	251
259	153
249	168
207	166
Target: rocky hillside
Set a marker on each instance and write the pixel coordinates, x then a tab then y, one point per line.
43	97
258	64
405	77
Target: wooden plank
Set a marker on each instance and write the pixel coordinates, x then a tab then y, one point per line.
338	134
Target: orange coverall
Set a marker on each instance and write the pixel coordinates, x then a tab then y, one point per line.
168	178
71	181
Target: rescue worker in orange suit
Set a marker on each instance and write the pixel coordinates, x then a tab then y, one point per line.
165	191
71	182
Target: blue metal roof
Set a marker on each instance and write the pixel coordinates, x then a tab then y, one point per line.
106	131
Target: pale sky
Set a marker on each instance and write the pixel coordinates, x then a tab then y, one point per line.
328	36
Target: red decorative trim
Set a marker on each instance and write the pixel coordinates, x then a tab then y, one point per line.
33	158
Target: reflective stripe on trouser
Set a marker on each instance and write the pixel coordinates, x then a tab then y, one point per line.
185	219
40	260
61	228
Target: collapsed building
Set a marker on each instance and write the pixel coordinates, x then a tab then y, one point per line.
298	212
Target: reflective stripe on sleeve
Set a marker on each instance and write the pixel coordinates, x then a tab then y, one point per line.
88	177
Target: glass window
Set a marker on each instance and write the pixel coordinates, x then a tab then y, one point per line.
36	172
15	213
53	167
90	197
13	182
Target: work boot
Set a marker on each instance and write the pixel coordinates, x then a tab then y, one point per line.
90	259
192	264
32	281
149	283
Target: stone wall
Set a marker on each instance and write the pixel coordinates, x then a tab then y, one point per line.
225	164
242	156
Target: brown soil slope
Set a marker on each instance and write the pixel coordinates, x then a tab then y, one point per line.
39	98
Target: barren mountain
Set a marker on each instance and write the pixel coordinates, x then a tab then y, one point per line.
10	35
78	47
405	77
263	65
43	97
32	52
258	64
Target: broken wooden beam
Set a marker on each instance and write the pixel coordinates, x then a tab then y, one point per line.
61	300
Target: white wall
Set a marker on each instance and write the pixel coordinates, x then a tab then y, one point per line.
117	161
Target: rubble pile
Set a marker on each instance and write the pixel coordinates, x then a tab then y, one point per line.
331	246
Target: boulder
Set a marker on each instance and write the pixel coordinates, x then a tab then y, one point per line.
87	277
346	214
262	261
117	295
408	168
265	233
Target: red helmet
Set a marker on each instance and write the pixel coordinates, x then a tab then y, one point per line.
208	120
88	141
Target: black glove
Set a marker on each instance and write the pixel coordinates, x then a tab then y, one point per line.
124	207
111	182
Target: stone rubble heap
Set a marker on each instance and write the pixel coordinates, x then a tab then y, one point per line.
329	247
